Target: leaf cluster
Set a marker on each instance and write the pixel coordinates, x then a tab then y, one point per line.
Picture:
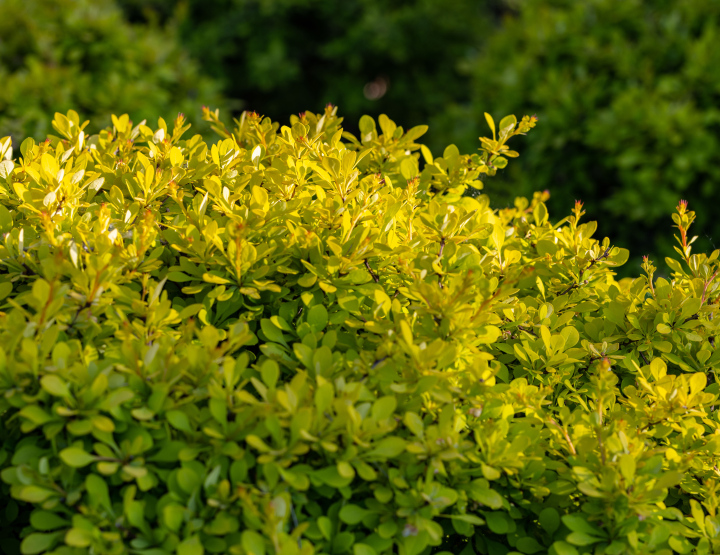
302	341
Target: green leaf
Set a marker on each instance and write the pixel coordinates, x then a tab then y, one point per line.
173	515
549	519
363	549
352	514
674	265
528	545
415	424
491	123
366	125
317	317
697	514
490	472
388	447
76	457
279	322
188	479
98	492
38	543
499	523
26	146
578	523
54	385
253	543
627	467
488	334
191	546
331	477
270	371
564	548
486	496
581	538
384	407
470	519
117	398
5	289
680	544
387	125
325	526
619	256
308	280
179	420
180	277
272	332
409	168
34	494
78	537
416	132
324	395
323	361
46	520
540	213
507	124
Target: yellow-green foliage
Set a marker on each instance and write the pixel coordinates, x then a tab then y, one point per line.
297	341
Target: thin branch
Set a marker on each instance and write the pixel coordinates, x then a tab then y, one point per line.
594	261
565	434
376	279
442	248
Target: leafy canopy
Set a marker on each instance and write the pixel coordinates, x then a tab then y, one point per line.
301	341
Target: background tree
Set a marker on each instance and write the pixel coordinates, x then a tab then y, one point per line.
627	97
82	54
403	58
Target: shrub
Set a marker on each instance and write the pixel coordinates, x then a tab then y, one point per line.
82	54
296	342
628	102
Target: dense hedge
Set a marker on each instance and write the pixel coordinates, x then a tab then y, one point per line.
627	94
296	342
83	54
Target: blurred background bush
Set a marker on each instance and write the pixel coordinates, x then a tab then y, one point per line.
628	97
84	54
626	90
404	58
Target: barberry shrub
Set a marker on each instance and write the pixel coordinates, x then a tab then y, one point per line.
297	341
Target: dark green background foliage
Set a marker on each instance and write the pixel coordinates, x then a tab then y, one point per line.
281	56
296	342
628	96
83	54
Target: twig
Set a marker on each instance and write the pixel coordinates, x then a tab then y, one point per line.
376	279
442	248
594	261
564	433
